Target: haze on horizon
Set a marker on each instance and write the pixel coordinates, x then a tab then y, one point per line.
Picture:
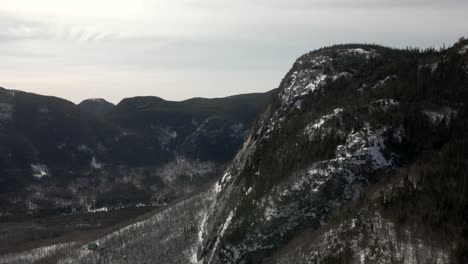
196	48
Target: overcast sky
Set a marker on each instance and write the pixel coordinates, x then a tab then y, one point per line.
177	49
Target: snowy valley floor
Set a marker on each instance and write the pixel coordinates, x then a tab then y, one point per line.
168	236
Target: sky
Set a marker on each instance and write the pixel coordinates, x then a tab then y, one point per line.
178	49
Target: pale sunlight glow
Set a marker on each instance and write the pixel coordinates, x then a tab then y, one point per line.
184	48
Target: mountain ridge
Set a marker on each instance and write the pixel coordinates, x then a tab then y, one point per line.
49	141
270	191
96	106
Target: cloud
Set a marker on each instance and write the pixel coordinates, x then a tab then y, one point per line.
314	4
188	47
24	30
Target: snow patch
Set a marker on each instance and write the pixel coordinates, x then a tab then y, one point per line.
463	50
383	82
298	104
217	188
39	171
438	116
95	164
312	129
221	234
305	81
85	148
315	84
97	210
219	185
383	104
365	145
433	66
368	54
372	239
341	75
376	144
226	178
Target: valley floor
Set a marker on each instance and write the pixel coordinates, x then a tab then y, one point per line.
168	235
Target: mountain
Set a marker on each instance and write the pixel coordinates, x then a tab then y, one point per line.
198	128
56	156
96	106
359	157
360	154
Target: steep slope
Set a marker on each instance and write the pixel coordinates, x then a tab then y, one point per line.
416	215
199	128
45	142
345	117
168	236
59	157
96	106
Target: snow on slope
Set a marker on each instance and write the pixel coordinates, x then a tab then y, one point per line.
39	170
316	128
368	238
170	236
35	254
463	50
362	153
306	195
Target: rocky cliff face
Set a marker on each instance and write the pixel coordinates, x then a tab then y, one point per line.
59	157
345	118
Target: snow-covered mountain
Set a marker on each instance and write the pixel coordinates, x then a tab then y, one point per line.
57	157
346	119
360	157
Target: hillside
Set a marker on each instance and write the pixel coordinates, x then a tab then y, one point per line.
198	128
57	157
96	106
347	119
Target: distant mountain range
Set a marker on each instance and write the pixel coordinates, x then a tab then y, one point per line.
58	156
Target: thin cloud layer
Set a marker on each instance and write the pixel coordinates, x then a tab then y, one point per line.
180	49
